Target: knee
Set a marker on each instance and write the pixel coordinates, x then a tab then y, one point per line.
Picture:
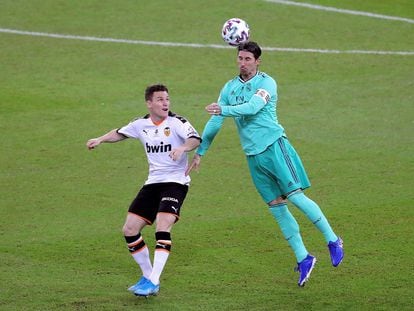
133	225
165	222
129	229
278	208
279	200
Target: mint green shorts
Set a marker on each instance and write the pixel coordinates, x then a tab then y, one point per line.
277	171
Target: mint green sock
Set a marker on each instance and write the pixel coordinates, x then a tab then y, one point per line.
290	230
314	214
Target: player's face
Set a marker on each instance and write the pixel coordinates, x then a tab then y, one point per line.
247	64
159	105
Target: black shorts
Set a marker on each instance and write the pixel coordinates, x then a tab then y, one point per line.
158	198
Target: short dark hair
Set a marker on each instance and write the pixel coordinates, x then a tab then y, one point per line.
150	90
251	47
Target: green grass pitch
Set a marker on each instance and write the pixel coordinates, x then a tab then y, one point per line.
349	114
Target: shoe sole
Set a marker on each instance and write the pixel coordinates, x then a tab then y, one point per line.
147	295
302	284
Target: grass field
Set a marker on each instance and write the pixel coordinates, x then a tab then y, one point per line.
349	113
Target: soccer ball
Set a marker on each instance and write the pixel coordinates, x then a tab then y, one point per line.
235	31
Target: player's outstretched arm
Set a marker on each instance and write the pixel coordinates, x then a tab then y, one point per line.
110	137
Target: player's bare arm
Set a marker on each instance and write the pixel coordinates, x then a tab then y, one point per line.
189	145
110	137
194	165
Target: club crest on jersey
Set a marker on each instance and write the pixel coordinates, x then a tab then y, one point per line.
167	131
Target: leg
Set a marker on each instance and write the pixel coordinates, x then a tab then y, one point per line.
133	225
289	227
136	245
314	214
291	176
290	230
165	222
172	197
273	185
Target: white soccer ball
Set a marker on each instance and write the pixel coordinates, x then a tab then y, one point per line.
235	31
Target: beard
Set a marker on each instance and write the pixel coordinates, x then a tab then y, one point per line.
246	74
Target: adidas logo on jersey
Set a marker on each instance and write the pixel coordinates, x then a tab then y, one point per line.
158	148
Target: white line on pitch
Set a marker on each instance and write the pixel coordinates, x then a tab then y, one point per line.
332	9
194	45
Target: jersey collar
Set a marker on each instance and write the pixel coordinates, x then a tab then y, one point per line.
241	80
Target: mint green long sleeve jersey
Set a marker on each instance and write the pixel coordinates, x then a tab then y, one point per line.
252	104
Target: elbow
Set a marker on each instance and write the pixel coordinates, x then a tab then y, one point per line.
195	142
198	142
